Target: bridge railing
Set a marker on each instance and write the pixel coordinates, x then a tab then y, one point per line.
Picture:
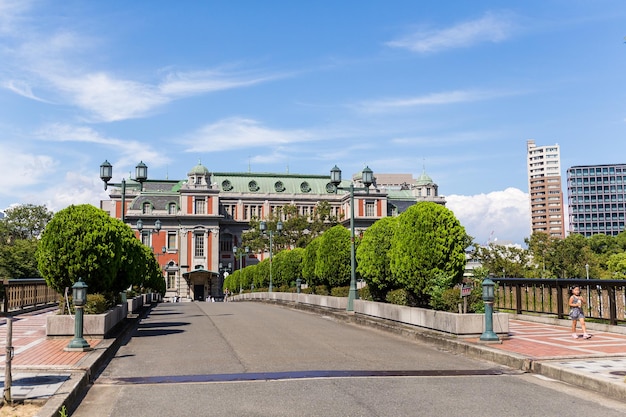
606	299
26	294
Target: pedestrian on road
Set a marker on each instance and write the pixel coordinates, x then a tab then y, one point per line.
576	313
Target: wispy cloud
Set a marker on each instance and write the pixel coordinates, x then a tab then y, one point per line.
11	12
236	132
434	99
109	99
20	169
198	82
130	151
52	64
492	27
23	89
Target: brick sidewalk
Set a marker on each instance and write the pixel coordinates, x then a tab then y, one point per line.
33	349
545	341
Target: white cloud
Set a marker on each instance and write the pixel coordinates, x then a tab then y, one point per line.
448	97
492	27
109	99
53	64
502	215
11	14
23	89
130	151
76	188
19	170
235	132
198	82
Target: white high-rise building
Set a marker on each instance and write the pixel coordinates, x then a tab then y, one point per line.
545	189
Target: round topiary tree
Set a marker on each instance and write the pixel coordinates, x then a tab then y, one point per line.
333	257
82	242
429	244
372	257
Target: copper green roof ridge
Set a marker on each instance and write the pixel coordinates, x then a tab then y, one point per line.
269	174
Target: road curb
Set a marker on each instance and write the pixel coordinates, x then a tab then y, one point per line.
589	382
74	389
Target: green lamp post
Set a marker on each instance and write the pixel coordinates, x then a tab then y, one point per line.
367	179
488	297
240	253
79	295
263	228
106	173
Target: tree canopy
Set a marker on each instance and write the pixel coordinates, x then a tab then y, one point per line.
431	244
333	257
372	257
19	233
85	242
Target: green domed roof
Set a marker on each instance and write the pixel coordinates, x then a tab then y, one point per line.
198	170
424	179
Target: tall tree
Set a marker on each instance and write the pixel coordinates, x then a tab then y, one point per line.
288	266
19	233
333	257
309	260
81	242
26	221
18	260
504	260
430	243
372	258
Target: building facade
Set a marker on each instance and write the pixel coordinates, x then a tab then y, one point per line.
545	189
596	197
192	225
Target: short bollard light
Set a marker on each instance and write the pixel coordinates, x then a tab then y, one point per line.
488	297
79	295
298	285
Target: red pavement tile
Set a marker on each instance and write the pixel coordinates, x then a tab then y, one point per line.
33	348
51	352
538	341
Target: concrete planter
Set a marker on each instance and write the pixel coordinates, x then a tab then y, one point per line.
464	325
95	326
135	304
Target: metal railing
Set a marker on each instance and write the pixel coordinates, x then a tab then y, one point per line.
606	299
26	294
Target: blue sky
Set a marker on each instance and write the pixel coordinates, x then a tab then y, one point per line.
455	88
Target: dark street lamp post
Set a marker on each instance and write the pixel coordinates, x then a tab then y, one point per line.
239	252
367	177
263	228
488	298
79	295
224	271
106	173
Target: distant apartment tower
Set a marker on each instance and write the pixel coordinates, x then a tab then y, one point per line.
545	189
596	196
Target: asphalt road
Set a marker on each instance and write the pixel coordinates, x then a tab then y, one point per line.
253	359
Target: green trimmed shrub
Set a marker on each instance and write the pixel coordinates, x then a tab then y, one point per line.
398	297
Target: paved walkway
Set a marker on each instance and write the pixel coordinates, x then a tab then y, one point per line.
41	367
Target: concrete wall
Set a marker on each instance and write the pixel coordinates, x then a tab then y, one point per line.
464	325
95	326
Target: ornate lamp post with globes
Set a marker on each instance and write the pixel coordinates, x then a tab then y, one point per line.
263	228
79	296
367	177
106	173
240	253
